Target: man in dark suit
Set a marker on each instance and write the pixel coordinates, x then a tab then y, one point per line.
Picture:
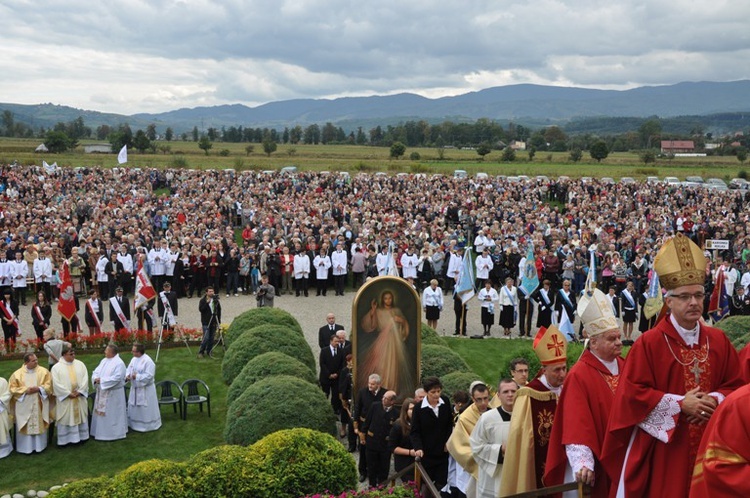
377	428
330	366
430	433
366	396
345	346
326	331
171	298
119	310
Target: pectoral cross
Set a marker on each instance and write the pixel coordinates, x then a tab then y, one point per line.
697	371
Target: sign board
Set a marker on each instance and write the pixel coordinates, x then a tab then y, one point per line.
717	244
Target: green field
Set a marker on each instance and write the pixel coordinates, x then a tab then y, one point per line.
354	158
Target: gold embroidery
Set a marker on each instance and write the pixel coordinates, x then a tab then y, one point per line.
544	426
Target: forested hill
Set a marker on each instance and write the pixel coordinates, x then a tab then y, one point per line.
713	106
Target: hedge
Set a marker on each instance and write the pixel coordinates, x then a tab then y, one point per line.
276	403
441	360
737	329
459	381
264	339
225	471
268	365
430	336
93	487
304	461
151	479
259	316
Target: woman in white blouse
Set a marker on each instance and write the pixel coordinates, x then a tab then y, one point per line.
432	303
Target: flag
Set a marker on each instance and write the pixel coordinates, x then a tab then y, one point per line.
391	268
465	284
530	278
49	168
144	291
591	277
718	306
654	299
565	327
122	157
67	303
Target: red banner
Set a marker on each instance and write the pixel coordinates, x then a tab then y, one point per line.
144	291
67	304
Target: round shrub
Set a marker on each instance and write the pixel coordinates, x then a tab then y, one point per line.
276	403
227	470
458	381
303	462
268	365
151	479
93	487
264	339
430	336
736	328
441	360
259	316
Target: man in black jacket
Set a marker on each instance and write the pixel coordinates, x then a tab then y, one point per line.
431	426
366	396
210	309
377	427
330	365
326	331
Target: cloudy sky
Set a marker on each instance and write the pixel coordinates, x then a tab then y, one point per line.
131	56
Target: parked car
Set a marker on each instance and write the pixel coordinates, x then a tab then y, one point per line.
607	180
739	183
652	179
626	180
482	176
672	180
460	173
695	179
716	184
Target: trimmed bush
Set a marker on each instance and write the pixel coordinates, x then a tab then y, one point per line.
93	487
259	316
264	339
276	403
227	470
151	479
736	328
440	361
430	336
268	365
458	381
303	462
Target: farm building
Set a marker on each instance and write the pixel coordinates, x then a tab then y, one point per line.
677	146
97	149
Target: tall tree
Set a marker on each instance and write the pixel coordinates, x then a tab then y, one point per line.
169	134
59	141
397	150
269	147
205	144
599	150
141	141
151	132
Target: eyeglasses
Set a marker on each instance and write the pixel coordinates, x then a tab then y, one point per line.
685	298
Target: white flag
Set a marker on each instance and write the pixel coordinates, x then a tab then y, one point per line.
122	157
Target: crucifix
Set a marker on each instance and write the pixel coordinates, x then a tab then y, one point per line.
697	371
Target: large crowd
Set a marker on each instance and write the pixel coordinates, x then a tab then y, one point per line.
181	225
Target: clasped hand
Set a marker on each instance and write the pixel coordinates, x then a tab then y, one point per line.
698	406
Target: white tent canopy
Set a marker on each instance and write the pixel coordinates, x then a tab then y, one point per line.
41	148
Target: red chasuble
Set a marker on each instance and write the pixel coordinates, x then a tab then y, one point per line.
723	464
655	468
581	418
543	416
745	364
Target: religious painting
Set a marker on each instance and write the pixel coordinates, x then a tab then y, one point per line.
387	334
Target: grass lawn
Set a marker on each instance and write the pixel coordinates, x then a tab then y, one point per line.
487	357
176	440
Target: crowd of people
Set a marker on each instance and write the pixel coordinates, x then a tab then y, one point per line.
319	231
37	403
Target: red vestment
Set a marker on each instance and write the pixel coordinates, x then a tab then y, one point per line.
745	364
654	468
581	418
723	464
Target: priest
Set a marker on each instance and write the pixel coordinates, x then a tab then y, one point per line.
466	470
30	388
109	420
533	416
6	444
583	408
489	439
70	381
675	376
143	405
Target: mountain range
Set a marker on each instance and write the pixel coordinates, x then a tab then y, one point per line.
531	105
